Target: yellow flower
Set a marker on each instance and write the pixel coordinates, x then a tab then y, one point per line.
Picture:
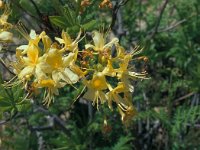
100	43
114	95
33	64
124	74
60	66
95	88
68	42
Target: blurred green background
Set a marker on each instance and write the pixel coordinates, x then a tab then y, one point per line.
167	103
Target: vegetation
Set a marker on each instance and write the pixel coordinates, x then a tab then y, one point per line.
99	74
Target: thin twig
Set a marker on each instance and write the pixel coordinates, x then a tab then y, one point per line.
159	19
172	27
4	65
2	122
176	101
56	120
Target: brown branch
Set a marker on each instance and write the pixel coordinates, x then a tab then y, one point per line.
172	27
2	122
176	101
159	19
4	65
57	121
115	11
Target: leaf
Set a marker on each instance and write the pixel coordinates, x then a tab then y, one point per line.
24	106
70	15
123	143
59	21
28	6
4	102
90	25
73	29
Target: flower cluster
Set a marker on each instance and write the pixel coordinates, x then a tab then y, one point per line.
110	76
50	66
102	67
5	35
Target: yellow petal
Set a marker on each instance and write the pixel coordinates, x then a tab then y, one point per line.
33	53
69	59
109	70
98	40
61	41
46	83
47	42
111	43
54	59
32	34
26	71
69	76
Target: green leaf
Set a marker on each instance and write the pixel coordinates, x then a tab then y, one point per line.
73	29
24	106
70	15
123	143
4	103
28	6
59	21
90	25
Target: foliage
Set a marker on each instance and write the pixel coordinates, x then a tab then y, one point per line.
167	103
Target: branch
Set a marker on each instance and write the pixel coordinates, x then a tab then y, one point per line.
115	11
4	65
176	101
172	27
159	19
56	120
2	122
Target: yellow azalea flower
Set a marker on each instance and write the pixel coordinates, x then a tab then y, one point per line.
29	60
33	64
95	88
100	43
68	42
60	66
124	74
33	39
113	95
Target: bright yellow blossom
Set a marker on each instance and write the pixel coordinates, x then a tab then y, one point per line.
69	44
95	88
100	42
